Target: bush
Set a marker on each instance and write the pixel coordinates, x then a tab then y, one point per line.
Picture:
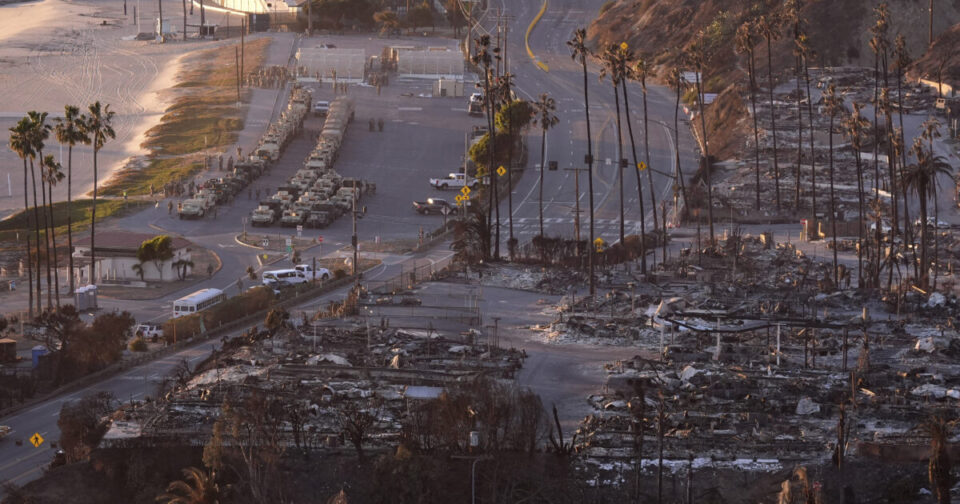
234	308
339	273
138	345
607	6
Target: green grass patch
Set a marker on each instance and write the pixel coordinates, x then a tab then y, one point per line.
158	172
80	210
203	116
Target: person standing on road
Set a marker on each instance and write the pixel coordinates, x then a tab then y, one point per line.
170	208
380	124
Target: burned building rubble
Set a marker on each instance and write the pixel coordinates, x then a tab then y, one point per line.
313	375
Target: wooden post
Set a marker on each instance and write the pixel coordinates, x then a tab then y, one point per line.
845	334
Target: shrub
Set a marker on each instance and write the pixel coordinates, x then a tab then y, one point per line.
607	6
234	308
339	273
138	345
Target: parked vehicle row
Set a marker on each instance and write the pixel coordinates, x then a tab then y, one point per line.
221	190
316	194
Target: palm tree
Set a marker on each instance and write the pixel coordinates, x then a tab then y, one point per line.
792	16
39	132
579	52
931	131
614	64
675	80
99	127
697	54
940	464
808	54
20	143
69	131
197	487
484	58
545	109
627	55
856	127
769	28
922	178
745	44
640	71
504	96
834	106
52	174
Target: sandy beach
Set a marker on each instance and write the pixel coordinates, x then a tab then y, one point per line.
57	52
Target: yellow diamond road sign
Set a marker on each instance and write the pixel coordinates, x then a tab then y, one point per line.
501	171
36	440
465	191
459	198
623	45
641	166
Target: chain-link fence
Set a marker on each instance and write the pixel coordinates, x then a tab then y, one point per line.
412	272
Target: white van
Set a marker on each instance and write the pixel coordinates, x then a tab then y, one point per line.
284	276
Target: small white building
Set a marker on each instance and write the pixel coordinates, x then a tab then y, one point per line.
117	256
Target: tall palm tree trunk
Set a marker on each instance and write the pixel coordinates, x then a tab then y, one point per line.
924	268
619	163
69	214
53	240
861	222
676	150
511	243
633	147
813	153
93	221
773	125
26	212
796	196
543	142
876	166
706	157
590	248
833	212
46	232
756	126
646	149
36	229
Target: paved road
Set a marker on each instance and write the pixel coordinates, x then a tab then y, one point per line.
566	143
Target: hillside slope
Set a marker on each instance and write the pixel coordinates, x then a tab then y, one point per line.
838	31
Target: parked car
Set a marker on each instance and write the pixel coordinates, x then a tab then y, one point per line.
432	206
148	331
454	180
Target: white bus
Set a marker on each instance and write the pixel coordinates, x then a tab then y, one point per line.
198	301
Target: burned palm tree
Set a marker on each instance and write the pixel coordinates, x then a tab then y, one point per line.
746	42
697	54
792	17
834	106
614	65
768	27
938	469
676	81
640	70
856	126
579	53
630	72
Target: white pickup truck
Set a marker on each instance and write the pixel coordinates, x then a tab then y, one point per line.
455	180
307	270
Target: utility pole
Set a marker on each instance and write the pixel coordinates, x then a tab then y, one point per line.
354	241
236	54
576	202
243	31
160	20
